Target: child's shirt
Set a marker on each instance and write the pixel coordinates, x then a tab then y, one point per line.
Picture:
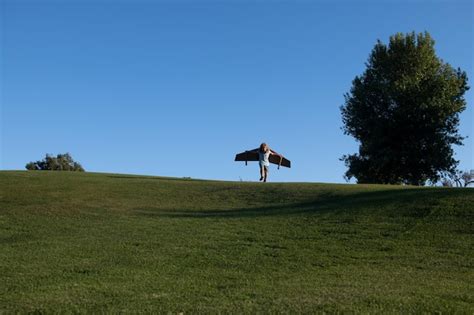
263	157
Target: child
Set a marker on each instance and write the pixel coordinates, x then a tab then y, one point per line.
264	153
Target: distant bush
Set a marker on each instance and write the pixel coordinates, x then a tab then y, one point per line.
62	162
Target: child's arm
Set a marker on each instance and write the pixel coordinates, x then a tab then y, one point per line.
275	153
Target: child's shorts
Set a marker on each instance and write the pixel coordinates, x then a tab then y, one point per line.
262	165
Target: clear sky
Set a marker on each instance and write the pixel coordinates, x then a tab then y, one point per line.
177	88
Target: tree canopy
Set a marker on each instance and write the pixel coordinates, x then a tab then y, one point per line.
61	162
404	112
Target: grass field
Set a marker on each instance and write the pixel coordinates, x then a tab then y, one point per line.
83	242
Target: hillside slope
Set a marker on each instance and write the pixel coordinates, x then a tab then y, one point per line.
106	242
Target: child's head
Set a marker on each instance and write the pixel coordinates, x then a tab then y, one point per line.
264	147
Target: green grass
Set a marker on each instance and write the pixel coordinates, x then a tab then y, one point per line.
72	242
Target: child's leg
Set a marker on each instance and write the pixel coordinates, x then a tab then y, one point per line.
262	172
265	170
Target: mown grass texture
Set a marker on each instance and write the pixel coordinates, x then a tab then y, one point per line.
85	242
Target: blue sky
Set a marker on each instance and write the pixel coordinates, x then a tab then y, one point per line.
178	88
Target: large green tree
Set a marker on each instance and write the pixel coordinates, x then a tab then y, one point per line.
404	111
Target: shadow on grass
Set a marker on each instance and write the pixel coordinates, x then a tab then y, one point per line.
415	202
152	177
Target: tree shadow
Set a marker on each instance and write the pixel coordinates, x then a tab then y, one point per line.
424	198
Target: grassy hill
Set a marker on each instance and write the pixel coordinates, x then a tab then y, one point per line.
104	242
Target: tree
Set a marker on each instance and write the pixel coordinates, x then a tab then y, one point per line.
458	179
404	111
62	162
467	178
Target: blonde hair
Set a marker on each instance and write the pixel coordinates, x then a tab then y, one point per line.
264	147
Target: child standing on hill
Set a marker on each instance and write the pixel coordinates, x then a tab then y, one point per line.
264	153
